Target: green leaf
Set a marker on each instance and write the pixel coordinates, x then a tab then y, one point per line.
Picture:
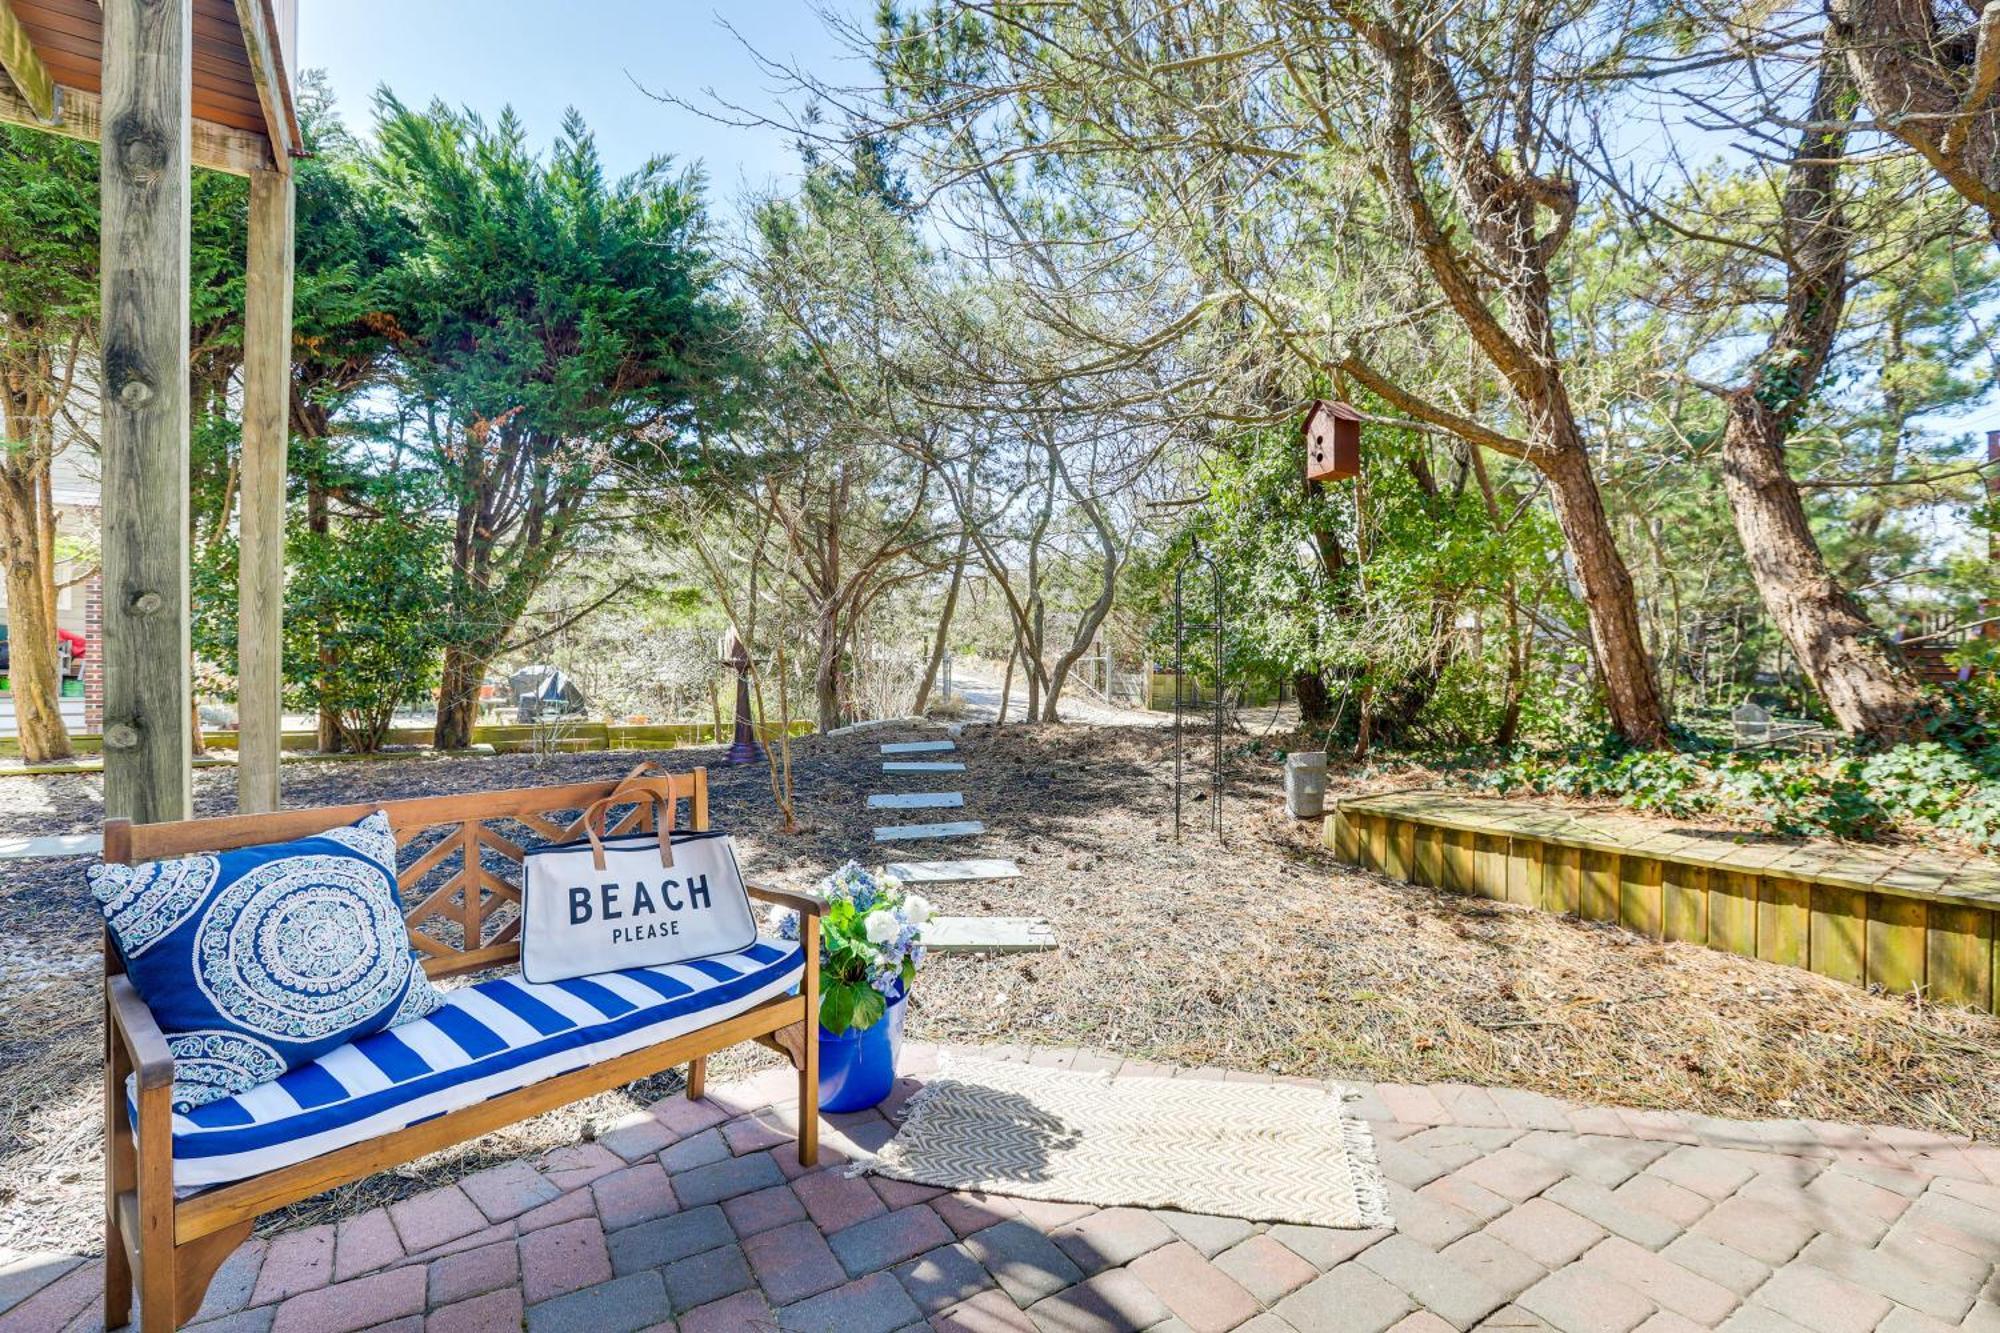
836	1006
869	1007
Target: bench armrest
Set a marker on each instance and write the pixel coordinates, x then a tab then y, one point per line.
139	1031
803	903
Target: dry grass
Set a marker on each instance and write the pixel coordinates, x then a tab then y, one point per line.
1259	953
1265	953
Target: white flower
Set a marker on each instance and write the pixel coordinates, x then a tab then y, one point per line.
881	927
917	908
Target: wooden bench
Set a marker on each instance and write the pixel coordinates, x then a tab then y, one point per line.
169	1247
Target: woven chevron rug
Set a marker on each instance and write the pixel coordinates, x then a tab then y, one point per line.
1262	1152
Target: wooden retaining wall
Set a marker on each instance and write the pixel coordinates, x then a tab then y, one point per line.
1905	922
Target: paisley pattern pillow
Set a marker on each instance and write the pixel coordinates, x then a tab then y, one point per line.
258	960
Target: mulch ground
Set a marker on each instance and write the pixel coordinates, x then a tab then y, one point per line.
1255	952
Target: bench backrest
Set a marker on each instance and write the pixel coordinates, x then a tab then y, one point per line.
458	868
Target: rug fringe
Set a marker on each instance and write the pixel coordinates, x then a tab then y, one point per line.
1371	1195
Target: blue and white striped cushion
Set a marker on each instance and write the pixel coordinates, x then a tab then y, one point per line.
485	1040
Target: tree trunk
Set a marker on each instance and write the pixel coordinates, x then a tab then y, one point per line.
458	697
942	641
1504	204
1632	691
28	550
1031	660
1867	690
1315	701
1093	616
826	674
31	642
1007	678
1925	82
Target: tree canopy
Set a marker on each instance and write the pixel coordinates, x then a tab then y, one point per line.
1669	330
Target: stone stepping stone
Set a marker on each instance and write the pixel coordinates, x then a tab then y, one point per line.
988	934
916	800
60	844
965	828
921	766
949	872
918	747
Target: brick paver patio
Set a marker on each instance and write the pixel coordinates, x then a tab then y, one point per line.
1513	1211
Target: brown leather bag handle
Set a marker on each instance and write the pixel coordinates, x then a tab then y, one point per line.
639	785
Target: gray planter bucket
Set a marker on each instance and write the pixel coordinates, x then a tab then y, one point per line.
1305	784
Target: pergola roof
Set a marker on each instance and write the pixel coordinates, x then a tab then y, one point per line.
243	113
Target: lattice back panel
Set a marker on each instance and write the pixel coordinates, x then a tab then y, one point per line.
459	857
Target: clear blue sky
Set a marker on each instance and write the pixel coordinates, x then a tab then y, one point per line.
595	55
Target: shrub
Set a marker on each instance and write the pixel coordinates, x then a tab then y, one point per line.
365	621
1848	796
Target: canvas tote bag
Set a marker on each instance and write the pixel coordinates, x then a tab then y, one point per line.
604	904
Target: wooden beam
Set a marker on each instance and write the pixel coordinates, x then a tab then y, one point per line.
260	572
143	180
18	58
216	147
268	72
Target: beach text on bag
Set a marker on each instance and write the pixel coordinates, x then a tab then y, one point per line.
606	902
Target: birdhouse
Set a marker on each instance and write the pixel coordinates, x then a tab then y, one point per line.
1333	442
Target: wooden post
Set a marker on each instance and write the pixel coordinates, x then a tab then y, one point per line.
25	68
143	181
260	577
808	1145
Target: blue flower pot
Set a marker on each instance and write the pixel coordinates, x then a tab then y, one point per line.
858	1068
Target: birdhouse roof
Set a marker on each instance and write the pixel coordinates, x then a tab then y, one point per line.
1334	408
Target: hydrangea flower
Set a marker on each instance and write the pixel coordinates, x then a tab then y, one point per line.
869	944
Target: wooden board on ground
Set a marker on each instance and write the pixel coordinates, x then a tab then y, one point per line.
916	800
965	828
988	934
922	766
918	747
948	872
59	844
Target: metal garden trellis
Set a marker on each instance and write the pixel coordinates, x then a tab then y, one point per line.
1332	438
